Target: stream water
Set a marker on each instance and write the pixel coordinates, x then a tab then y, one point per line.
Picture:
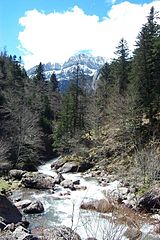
64	210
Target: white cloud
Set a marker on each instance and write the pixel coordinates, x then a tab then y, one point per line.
57	36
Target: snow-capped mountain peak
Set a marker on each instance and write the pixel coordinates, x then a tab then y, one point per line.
88	63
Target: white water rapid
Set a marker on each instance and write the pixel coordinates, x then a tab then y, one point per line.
62	207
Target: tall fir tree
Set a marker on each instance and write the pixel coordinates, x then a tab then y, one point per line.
71	118
147	68
53	82
122	59
102	94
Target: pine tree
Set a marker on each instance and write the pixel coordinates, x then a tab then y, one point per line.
39	89
102	93
43	100
53	82
122	59
71	118
39	74
78	92
147	68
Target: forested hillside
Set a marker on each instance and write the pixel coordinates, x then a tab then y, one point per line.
118	123
27	109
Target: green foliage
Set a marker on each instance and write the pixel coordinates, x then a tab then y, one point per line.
53	82
34	116
103	88
4	185
122	65
71	118
26	114
39	74
144	188
146	67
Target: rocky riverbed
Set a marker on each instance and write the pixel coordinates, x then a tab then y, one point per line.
53	197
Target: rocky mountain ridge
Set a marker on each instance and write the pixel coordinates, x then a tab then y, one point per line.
89	64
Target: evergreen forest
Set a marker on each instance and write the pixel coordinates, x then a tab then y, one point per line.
116	125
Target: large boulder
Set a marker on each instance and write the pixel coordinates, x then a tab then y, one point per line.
38	180
101	205
59	178
69	167
8	211
16	174
34	207
150	201
58	163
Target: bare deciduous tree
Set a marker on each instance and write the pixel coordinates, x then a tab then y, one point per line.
24	129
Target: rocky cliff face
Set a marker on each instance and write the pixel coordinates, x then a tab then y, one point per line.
64	72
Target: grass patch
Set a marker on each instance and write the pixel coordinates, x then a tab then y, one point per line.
143	189
4	185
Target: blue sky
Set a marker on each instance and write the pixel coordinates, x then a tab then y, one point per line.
12	10
51	30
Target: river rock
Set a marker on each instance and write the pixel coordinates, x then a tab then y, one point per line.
133	233
76	182
23	204
64	193
78	187
68	184
64	166
74	167
59	233
34	207
21	233
16	174
58	163
150	201
59	178
38	180
101	205
68	167
8	211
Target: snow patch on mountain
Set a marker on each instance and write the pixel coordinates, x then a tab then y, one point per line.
89	64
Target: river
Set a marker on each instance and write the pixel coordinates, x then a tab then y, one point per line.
64	210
